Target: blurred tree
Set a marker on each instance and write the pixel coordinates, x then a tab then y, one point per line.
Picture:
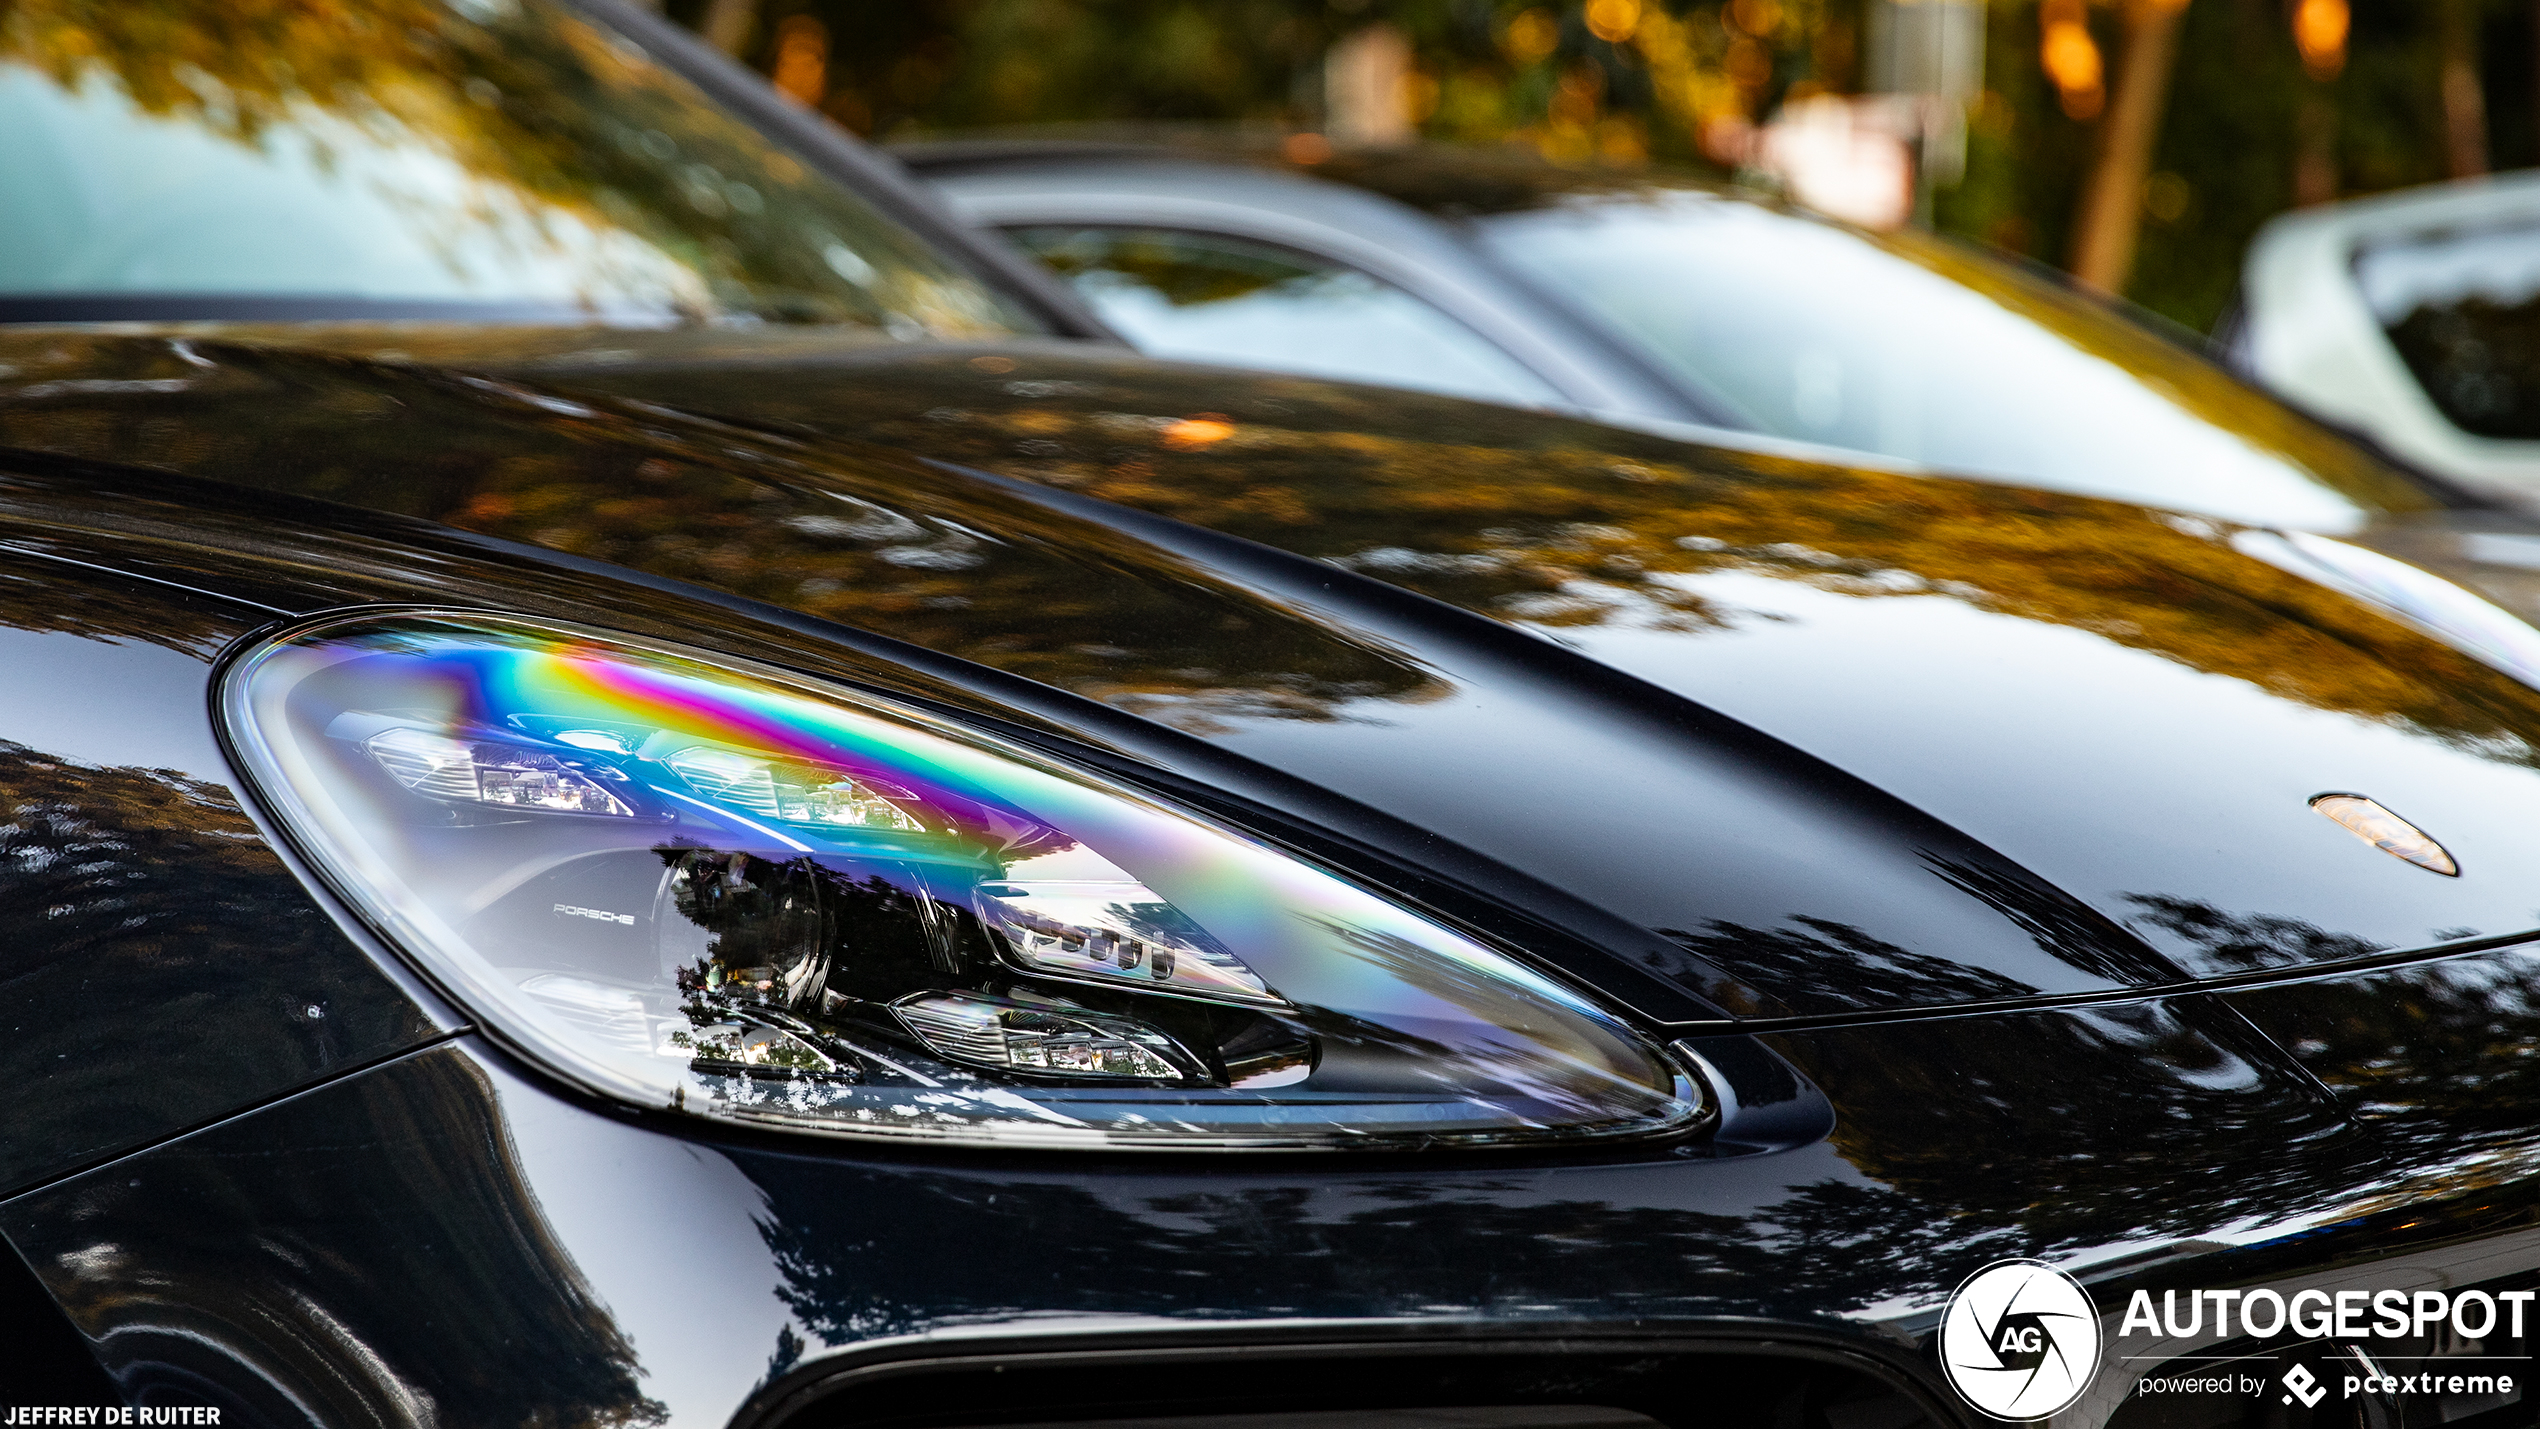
2112	204
2265	103
2464	99
966	63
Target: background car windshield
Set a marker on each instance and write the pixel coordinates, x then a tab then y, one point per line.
485	158
2463	309
1204	297
1912	348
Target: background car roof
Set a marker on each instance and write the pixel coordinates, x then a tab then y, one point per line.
1442	179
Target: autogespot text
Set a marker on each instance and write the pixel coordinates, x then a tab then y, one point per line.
2324	1314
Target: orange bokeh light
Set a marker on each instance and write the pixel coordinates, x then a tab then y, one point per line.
1206	429
802	59
2319	32
1305	148
1613	21
2071	58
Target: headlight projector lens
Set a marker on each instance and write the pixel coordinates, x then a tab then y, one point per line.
697	884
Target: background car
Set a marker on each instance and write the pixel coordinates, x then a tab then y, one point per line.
1639	297
2408	316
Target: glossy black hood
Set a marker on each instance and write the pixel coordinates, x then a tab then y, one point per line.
1770	737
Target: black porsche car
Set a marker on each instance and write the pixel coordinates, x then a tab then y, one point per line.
755	848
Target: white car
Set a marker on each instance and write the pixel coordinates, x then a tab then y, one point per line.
2414	319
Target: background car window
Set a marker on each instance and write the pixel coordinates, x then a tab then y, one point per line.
494	154
1910	347
1209	298
2463	310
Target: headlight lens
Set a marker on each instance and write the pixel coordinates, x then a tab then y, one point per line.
695	884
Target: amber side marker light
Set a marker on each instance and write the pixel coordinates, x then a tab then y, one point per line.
2386	831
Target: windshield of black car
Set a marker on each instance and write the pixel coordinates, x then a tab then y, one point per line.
484	159
1914	348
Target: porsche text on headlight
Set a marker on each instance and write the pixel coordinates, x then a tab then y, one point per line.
697	884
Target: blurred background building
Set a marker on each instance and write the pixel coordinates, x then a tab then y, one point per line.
2135	143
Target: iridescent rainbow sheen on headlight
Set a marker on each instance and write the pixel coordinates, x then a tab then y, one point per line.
1181	986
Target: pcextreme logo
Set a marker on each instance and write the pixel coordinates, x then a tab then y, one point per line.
2020	1340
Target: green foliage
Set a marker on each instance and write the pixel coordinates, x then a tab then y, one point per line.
2230	140
1491	71
2025	158
938	64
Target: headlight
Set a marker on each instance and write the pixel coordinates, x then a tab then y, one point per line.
707	886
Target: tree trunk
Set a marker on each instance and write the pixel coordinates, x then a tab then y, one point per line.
2464	98
2314	149
2112	202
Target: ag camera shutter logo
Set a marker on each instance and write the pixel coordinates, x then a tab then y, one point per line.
2020	1340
